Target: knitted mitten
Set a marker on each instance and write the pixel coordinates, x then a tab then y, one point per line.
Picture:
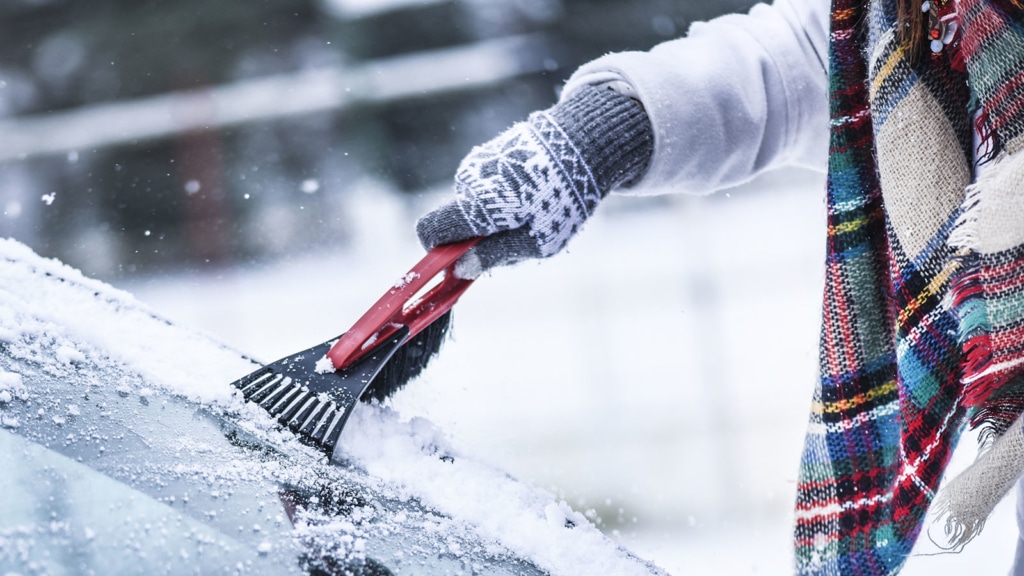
529	190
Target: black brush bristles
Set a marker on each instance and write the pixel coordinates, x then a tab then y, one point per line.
409	360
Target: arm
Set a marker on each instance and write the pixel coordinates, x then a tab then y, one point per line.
739	95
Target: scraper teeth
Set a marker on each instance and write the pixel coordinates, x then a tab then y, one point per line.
294	403
301	418
314	419
333	431
253	379
274	393
329	415
253	382
283	400
263	388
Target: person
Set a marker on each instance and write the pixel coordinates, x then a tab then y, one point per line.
917	108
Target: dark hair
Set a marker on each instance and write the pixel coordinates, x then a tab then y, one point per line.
911	26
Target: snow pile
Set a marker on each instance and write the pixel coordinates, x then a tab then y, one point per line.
416	456
87	318
11	388
53	316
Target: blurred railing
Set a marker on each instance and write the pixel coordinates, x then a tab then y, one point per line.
381	81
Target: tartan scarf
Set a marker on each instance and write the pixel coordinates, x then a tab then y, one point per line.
923	315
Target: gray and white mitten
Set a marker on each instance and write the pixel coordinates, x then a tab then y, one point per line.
529	190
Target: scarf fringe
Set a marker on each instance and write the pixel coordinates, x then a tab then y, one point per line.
964	504
981	375
966	299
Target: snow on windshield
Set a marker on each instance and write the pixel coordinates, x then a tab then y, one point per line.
43	301
104	321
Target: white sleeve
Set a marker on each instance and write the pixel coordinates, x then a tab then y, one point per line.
739	95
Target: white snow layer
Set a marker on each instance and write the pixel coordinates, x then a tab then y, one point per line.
531	522
84	318
88	318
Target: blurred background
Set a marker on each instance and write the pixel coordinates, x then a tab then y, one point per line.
174	134
253	169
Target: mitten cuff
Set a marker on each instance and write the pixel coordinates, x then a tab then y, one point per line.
610	131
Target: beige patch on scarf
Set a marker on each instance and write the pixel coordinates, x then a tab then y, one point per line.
1000	210
922	169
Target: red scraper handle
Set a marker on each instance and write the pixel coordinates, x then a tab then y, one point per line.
405	303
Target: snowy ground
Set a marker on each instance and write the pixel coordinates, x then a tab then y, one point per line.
658	374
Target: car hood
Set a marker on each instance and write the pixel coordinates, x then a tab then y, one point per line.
125	449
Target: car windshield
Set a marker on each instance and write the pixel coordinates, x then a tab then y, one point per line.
116	461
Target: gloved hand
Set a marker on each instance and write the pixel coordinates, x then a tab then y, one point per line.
529	190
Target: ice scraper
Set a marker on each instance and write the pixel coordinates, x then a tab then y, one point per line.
313	392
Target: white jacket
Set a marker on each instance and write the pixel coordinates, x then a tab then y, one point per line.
739	95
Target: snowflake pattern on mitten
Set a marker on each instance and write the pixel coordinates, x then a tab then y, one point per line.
530	176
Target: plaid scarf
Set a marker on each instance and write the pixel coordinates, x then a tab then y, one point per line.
923	319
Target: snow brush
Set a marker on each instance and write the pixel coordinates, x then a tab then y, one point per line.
313	392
